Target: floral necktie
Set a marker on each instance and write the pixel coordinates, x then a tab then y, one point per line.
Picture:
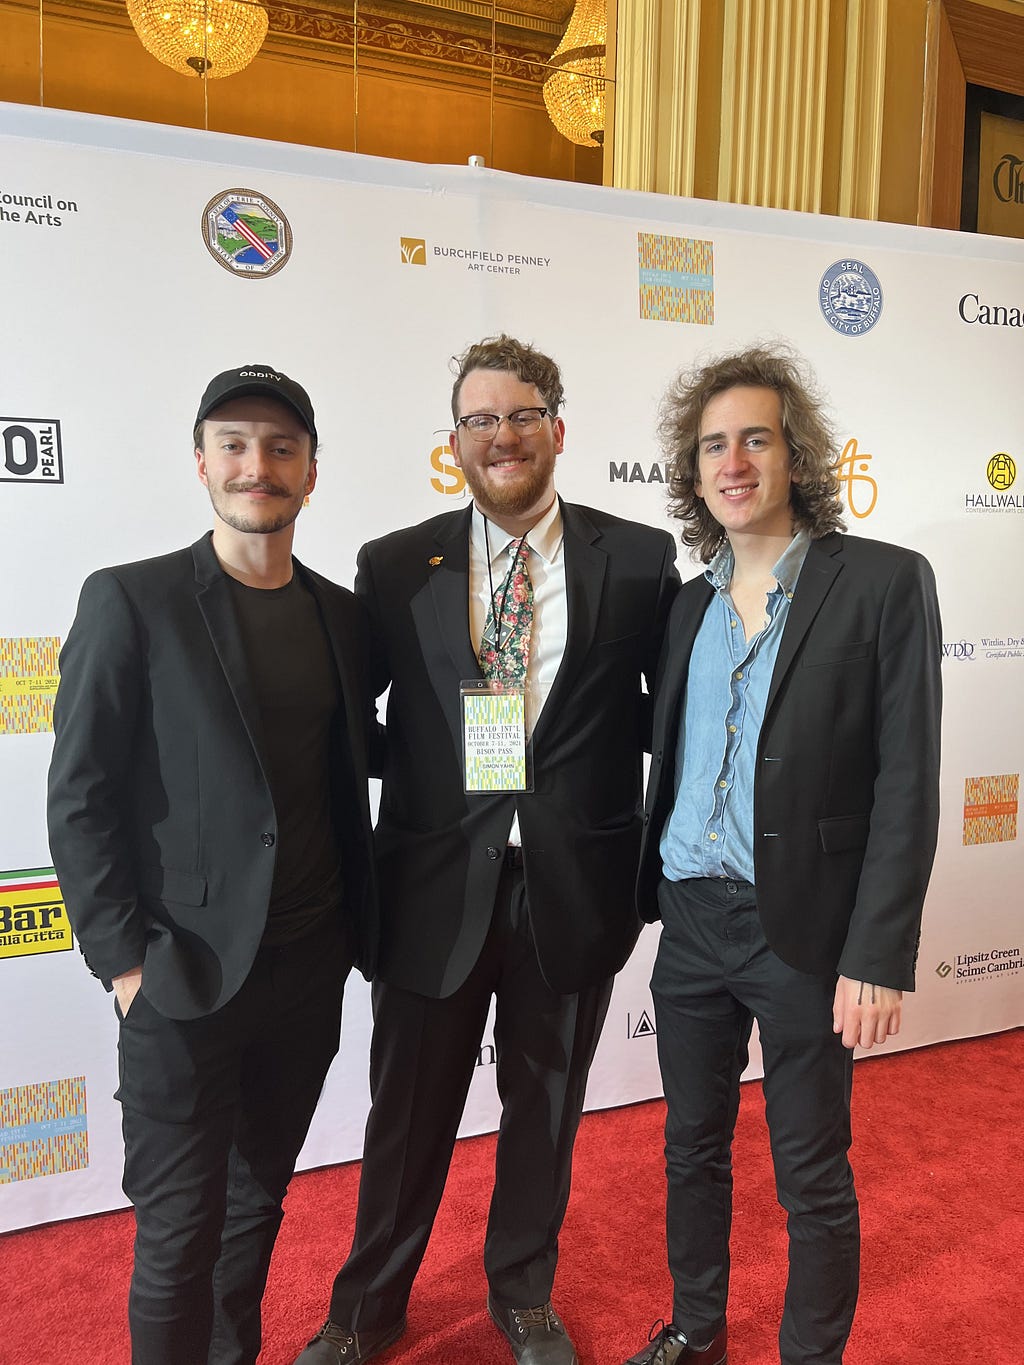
505	652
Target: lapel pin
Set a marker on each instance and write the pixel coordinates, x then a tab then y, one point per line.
434	560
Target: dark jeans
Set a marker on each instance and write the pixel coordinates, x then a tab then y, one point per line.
422	1059
714	974
215	1111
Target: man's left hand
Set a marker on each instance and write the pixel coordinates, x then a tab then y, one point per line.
864	1013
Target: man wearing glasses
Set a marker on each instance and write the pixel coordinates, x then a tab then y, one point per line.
544	617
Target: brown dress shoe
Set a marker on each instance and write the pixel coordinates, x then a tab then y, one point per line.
666	1345
336	1345
537	1335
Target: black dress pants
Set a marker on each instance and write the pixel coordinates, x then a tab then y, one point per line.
422	1059
214	1113
713	975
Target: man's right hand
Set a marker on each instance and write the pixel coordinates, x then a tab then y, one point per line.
126	988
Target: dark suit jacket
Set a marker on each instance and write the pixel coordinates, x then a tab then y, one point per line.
439	851
846	783
161	821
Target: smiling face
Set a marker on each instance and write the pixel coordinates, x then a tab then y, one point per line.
744	469
257	462
511	477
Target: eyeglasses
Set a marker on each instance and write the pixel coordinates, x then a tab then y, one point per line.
483	425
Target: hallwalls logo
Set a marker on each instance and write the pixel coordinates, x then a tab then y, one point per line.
677	278
32	914
43	1129
1001	477
28	684
850	297
30	450
246	233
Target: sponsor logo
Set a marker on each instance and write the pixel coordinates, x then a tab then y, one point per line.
990	809
32	914
859	488
987	964
1007	181
998	647
972	310
31	450
641	1027
622	471
448	479
489	260
43	1129
1001	475
1001	472
34	208
959	649
247	233
28	684
677	278
850	297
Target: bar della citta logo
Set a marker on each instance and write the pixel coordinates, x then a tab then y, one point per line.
246	233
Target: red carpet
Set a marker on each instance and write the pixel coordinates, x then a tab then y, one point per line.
939	1157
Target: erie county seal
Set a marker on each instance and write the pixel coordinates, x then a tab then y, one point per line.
247	233
850	296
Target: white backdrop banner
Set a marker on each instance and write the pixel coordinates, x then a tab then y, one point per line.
138	261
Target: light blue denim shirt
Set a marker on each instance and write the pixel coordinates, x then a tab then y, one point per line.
710	832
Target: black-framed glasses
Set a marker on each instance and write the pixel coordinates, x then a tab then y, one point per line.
483	425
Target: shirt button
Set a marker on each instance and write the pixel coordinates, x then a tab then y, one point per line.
493	852
789	596
738	676
733	624
722	784
732	729
712	836
267	840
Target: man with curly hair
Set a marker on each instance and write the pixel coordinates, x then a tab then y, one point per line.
791	823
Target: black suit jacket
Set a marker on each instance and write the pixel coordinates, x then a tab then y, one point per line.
161	821
846	783
439	851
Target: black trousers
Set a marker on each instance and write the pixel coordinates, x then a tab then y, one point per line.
214	1112
422	1059
714	973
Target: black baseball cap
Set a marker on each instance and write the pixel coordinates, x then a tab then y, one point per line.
261	379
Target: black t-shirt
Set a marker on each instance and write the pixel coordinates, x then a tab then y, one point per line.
295	680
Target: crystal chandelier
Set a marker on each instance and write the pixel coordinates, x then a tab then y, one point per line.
208	38
574	86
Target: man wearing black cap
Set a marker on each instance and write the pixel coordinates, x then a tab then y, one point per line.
209	825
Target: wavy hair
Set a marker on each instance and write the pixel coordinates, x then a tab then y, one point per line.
518	358
808	431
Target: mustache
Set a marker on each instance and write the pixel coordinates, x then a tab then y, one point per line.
259	486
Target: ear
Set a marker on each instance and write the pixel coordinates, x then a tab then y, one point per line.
453	441
558	427
311	476
201	468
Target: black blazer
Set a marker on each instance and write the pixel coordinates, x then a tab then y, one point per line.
439	851
161	822
846	783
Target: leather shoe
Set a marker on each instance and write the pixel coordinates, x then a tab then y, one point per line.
336	1345
666	1345
537	1335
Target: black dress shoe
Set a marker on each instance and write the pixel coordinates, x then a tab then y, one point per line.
335	1345
668	1346
537	1335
